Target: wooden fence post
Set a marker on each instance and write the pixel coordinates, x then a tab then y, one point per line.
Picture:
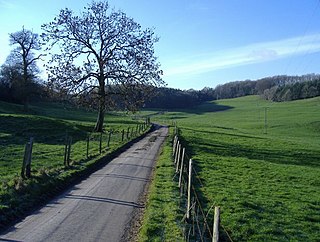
176	152
88	141
27	158
178	159
128	131
69	151
122	135
65	151
100	143
189	189
24	161
181	168
215	237
109	137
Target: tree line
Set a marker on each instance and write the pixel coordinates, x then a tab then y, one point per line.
276	88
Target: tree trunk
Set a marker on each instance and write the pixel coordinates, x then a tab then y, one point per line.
100	120
101	111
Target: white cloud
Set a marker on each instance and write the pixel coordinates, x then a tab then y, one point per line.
245	55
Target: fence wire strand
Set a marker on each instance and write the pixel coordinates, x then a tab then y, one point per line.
199	215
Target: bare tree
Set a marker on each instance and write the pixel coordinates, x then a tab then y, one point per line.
100	51
24	59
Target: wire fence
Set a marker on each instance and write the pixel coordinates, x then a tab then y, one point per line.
65	151
198	222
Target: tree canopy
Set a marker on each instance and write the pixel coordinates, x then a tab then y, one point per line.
20	69
100	52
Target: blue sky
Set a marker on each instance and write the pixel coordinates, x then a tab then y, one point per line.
204	42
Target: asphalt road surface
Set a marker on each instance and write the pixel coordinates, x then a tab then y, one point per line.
101	207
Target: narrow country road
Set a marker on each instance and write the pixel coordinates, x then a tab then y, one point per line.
99	208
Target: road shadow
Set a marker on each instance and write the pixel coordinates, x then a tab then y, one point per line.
131	178
105	200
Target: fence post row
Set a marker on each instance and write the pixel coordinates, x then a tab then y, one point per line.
191	207
26	163
27	157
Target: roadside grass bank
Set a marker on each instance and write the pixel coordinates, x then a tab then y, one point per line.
162	216
49	124
260	162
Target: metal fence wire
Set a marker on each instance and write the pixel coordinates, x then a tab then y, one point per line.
198	224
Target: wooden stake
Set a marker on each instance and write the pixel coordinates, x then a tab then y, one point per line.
176	153
128	132
178	160
88	141
109	137
100	144
174	145
215	237
181	167
189	189
69	151
27	158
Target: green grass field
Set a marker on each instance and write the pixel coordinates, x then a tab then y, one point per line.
267	184
48	124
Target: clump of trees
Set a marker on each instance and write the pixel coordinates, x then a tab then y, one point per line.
295	91
19	74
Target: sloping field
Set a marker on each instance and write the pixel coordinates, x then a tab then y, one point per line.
264	172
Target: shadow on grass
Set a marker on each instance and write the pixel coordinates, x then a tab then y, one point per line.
278	156
223	133
208	107
45	130
295	157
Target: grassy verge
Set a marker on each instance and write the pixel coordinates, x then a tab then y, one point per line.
162	216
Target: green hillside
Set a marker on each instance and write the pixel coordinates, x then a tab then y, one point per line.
266	181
